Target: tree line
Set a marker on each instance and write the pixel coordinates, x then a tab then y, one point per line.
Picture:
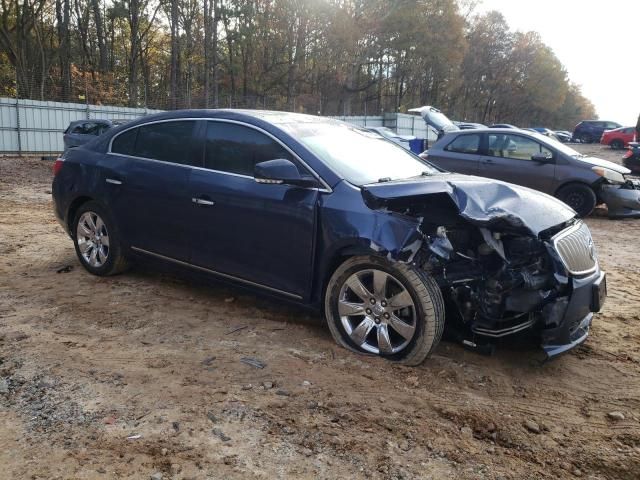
328	57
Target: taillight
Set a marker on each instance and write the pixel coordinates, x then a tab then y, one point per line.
629	154
57	166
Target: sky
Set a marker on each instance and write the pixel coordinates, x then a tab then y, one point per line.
598	43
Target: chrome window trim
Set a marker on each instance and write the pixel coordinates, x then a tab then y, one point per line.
568	231
325	186
220	274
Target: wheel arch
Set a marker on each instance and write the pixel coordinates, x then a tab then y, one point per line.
331	264
73	208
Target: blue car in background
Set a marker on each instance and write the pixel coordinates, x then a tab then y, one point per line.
589	131
324	214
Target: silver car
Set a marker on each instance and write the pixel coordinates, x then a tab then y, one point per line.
542	163
402	140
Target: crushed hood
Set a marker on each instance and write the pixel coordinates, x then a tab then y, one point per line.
598	162
486	203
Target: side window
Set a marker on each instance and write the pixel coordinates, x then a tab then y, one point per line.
516	147
125	142
166	141
612	125
464	144
236	149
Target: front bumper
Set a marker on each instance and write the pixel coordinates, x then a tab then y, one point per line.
567	320
623	201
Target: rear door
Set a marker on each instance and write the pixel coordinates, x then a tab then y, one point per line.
461	155
507	157
149	185
255	232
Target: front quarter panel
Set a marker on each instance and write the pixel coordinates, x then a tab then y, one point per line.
347	227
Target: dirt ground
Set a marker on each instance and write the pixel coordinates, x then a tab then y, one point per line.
142	374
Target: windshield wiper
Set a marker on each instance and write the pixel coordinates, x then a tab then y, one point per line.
384	179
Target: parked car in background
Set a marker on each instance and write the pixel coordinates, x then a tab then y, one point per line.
402	140
564	136
321	213
503	125
80	132
468	125
589	131
618	138
541	163
435	120
547	132
631	158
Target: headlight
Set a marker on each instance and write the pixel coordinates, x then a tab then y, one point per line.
610	175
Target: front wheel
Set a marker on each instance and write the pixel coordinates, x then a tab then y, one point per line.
617	144
383	308
580	197
586	138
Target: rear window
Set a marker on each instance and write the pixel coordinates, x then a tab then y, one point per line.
125	143
164	141
464	144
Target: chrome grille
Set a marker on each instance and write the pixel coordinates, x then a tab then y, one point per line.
576	249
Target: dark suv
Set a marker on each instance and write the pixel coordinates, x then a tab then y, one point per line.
328	215
589	131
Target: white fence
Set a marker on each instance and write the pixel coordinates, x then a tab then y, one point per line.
31	126
34	127
401	123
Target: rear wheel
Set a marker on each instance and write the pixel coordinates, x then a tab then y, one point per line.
617	144
383	308
97	241
578	196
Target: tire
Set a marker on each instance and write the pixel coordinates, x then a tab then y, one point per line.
578	196
617	144
97	241
585	138
365	327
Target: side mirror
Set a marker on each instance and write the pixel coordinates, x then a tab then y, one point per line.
281	171
542	158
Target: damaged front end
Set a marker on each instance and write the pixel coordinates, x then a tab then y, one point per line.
622	199
508	260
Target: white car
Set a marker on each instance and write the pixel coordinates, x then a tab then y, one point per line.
402	140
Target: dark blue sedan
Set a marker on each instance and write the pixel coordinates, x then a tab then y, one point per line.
325	214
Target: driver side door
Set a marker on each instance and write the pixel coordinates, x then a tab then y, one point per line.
256	233
508	157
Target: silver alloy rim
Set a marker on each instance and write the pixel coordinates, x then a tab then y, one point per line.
377	312
93	239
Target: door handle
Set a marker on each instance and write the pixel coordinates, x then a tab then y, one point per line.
488	160
113	181
203	201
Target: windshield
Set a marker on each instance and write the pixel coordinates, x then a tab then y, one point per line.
558	145
361	157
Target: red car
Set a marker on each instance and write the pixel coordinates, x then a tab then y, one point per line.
618	137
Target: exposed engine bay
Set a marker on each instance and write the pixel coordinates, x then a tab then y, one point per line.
502	268
495	284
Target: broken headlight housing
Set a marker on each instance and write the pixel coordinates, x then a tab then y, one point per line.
608	174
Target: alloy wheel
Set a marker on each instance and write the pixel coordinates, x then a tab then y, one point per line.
93	239
377	312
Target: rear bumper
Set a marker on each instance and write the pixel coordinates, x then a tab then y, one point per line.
567	320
